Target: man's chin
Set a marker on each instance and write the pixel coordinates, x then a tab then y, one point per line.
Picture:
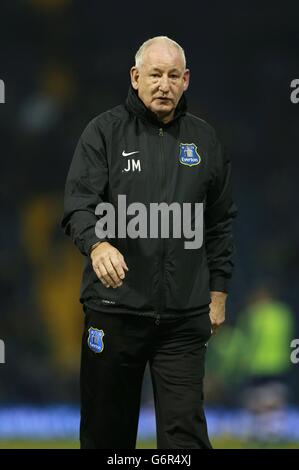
163	106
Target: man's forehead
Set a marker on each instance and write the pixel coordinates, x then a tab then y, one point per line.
163	56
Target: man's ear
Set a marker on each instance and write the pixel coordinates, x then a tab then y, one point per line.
186	78
134	73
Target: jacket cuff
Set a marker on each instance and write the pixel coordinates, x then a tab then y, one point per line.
219	284
88	242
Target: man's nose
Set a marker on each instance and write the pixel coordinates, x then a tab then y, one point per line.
164	84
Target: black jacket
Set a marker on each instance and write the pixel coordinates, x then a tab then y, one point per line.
164	279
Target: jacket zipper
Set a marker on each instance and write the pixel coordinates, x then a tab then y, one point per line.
161	299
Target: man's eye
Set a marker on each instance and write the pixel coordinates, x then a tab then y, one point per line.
174	77
155	75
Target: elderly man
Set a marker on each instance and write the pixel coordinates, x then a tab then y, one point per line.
148	296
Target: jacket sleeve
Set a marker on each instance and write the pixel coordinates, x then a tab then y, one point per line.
219	213
85	186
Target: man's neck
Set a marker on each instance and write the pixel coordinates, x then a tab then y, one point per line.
165	119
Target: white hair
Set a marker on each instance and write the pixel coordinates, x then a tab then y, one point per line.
140	53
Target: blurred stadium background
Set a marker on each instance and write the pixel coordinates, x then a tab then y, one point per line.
63	62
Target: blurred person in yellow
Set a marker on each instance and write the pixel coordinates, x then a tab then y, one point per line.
56	270
49	6
268	327
253	358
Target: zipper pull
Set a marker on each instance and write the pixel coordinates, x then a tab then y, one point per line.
157	321
161	132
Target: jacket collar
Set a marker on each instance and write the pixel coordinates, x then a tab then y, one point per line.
137	107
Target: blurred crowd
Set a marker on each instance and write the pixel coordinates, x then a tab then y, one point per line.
63	62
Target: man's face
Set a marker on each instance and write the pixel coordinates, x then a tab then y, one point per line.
161	79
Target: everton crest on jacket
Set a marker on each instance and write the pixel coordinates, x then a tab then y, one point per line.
135	167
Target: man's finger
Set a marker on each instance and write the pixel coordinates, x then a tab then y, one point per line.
105	276
124	264
101	273
116	281
105	284
118	267
215	327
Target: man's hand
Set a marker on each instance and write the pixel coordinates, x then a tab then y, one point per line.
108	264
217	309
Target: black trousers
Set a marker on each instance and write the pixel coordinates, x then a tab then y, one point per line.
115	351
